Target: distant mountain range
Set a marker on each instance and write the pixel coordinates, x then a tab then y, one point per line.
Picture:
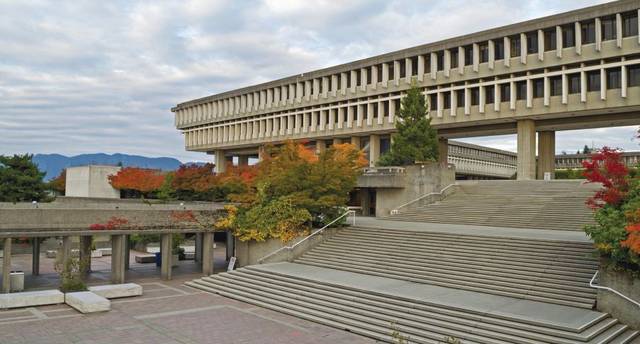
53	164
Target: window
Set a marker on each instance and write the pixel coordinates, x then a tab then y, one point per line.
574	83
634	75
460	98
414	65
499	46
440	61
550	41
515	46
489	94
403	69
454	58
427	64
593	81
446	97
532	43
468	55
505	92
484	52
568	36
538	88
358	78
521	90
433	101
556	85
475	96
588	32
614	78
608	29
630	24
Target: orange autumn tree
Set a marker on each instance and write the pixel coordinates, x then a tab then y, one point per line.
59	183
143	181
196	183
295	188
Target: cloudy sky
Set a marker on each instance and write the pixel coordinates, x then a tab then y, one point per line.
101	76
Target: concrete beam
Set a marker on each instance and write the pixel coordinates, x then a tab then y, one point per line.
6	266
526	166
165	250
207	253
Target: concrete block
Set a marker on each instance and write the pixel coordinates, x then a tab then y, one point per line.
50	254
87	302
17	281
31	298
146	258
189	255
105	251
113	291
75	253
96	254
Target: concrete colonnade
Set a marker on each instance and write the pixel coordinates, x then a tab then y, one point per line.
546	144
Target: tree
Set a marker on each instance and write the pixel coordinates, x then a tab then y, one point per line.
586	150
144	181
59	183
416	140
21	180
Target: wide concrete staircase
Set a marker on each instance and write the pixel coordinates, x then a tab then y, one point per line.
557	205
549	271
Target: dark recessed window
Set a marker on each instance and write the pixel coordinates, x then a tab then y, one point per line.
484	52
446	97
550	40
609	29
574	83
515	46
475	96
433	100
499	46
454	58
521	90
538	88
460	98
440	60
427	63
630	24
489	94
568	36
391	72
556	85
634	75
505	92
358	78
593	81
468	55
589	32
403	69
414	65
532	43
614	78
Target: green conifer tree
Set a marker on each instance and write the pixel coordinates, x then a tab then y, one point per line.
20	179
416	140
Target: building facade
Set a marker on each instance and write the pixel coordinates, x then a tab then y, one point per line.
574	70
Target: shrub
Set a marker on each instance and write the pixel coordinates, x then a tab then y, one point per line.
71	274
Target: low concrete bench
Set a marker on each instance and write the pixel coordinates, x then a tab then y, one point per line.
87	302
31	298
96	254
114	291
50	254
105	251
189	255
146	258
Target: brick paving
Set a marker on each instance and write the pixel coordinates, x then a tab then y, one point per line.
168	312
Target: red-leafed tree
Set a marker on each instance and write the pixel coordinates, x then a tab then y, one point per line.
198	183
59	183
143	181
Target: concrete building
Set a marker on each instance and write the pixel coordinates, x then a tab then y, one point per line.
91	181
575	70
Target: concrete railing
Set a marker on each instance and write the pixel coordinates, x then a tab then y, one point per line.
384	170
439	194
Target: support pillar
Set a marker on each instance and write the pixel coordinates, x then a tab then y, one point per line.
220	160
526	166
198	253
231	245
85	252
243	160
35	260
374	150
443	151
356	142
207	253
546	153
64	250
165	250
260	153
321	146
117	258
127	251
337	141
6	266
364	202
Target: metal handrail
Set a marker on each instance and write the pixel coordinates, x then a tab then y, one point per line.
395	211
309	236
610	289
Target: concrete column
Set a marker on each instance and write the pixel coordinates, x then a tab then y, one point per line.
64	250
337	141
220	160
6	266
321	146
117	258
546	153
364	201
198	255
355	141
127	251
165	250
374	149
231	245
260	153
35	259
526	166
243	160
207	253
443	151
85	251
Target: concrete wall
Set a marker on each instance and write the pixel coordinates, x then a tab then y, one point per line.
618	307
91	181
419	181
248	253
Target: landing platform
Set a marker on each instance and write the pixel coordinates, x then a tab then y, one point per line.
508	232
544	314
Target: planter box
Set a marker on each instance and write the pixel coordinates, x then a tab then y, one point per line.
618	307
17	281
175	259
96	254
